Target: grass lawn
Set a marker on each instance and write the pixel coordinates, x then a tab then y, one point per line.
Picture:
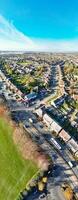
73	115
77	105
15	172
65	106
53	98
25	63
63	110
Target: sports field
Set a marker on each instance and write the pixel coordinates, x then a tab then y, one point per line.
15	172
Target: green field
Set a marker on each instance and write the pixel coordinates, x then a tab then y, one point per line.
15	172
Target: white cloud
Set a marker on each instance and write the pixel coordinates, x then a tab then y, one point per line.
13	39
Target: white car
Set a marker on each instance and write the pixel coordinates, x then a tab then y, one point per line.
42	196
70	164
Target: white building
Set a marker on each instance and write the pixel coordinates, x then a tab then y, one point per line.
39	112
48	120
55	127
64	135
72	145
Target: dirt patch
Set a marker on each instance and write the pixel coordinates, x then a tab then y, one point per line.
29	149
3	111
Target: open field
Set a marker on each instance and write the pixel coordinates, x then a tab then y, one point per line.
15	172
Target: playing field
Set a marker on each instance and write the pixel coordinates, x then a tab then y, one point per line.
15	172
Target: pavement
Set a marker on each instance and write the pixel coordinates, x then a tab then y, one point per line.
55	192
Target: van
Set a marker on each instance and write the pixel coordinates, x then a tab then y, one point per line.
70	164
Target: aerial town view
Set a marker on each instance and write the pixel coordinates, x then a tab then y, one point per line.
38	100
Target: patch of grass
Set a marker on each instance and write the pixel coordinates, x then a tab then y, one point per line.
25	63
15	172
53	98
63	110
77	105
65	106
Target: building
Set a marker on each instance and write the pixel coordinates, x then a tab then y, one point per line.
64	135
47	120
39	112
60	100
30	96
53	126
72	145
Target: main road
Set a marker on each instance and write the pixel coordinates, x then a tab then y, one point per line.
63	172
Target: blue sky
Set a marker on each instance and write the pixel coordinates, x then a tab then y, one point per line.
43	24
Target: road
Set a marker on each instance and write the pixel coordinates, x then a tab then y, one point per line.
63	171
52	191
57	84
38	129
65	153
